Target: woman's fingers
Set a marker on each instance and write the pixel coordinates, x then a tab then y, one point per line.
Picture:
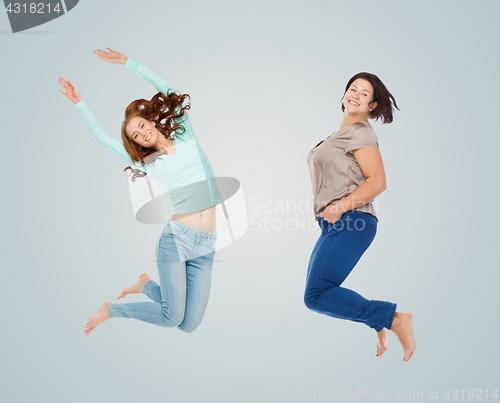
110	55
104	56
100	53
67	85
66	82
103	52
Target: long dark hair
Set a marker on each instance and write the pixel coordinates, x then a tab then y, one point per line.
160	108
381	95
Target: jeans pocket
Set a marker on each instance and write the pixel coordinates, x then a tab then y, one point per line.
176	232
339	224
169	232
368	233
212	244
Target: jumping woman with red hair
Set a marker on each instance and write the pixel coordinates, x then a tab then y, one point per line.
158	135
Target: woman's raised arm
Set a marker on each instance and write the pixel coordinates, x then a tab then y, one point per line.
109	143
158	82
113	56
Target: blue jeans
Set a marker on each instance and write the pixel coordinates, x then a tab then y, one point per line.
338	249
184	257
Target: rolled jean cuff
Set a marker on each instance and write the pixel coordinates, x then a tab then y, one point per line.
145	288
384	316
391	318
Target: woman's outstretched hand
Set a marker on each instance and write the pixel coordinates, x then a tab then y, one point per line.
111	56
71	91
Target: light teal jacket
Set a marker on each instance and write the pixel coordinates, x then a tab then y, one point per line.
187	175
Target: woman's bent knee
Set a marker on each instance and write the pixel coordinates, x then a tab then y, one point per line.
188	328
309	301
172	319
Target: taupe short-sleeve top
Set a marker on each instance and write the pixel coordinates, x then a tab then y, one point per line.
334	171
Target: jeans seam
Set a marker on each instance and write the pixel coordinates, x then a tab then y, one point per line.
361	233
142	312
321	267
350	309
364	237
167	296
198	243
393	313
315	250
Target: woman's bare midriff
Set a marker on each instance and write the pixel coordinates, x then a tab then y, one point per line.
203	220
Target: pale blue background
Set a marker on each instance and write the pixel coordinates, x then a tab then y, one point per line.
266	79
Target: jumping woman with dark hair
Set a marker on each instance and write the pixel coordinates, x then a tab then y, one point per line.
347	173
158	134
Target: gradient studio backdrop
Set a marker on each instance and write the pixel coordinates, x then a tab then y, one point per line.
266	79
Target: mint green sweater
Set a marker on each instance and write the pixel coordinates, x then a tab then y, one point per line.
186	175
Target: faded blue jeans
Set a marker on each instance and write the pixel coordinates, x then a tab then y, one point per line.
338	249
184	258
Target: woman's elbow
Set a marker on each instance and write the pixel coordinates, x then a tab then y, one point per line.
379	184
383	187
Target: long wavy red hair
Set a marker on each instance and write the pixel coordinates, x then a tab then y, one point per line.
161	109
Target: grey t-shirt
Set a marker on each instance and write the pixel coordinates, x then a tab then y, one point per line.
334	171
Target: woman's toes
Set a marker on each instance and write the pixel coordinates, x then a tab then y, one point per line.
123	294
381	349
133	289
408	355
403	327
97	318
136	288
382	343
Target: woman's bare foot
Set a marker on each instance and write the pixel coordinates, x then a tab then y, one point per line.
97	318
383	341
402	325
136	288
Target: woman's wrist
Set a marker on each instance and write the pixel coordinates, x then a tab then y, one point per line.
337	208
124	60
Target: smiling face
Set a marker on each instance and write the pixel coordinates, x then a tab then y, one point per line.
358	97
143	132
